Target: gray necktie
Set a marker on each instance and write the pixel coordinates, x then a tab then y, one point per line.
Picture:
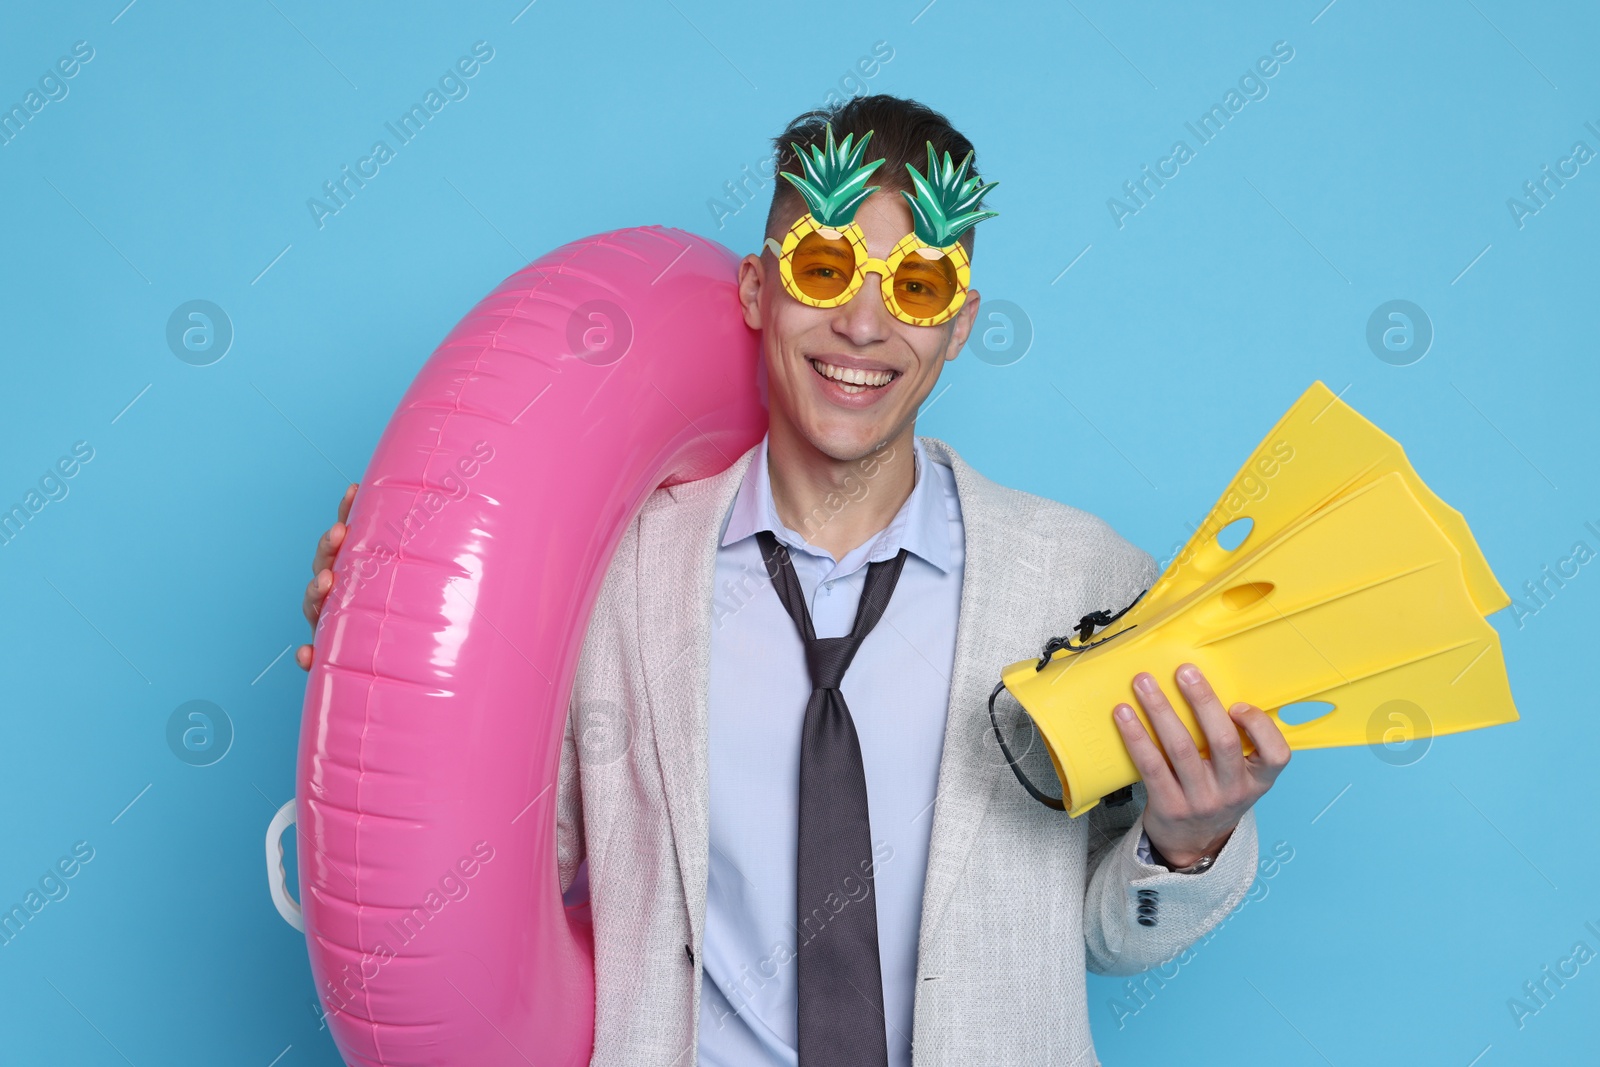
841	1020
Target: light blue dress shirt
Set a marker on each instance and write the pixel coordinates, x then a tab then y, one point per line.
898	690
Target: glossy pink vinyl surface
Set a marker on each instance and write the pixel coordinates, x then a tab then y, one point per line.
445	656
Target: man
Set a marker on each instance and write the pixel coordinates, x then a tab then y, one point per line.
813	850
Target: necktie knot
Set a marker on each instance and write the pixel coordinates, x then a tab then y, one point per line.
828	658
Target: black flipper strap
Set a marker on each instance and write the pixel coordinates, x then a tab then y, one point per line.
1085	630
1055	803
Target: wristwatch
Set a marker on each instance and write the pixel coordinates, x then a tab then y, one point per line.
1199	866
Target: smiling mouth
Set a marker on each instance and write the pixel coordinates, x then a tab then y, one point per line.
852	380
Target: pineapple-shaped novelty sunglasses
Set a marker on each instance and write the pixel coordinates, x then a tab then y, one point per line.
823	259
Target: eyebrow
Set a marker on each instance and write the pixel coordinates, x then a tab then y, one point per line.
923	268
830	251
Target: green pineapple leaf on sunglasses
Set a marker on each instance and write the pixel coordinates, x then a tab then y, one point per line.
835	181
945	205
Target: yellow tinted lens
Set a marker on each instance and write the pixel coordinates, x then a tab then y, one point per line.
924	287
822	268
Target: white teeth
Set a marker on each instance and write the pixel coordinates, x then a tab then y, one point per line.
852	380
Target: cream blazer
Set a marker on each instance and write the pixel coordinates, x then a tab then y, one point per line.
1019	900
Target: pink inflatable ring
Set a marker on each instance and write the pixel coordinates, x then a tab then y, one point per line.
446	652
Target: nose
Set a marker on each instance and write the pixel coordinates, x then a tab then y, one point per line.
864	318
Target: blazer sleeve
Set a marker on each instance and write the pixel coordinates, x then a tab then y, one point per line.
597	658
570	848
599	729
1136	914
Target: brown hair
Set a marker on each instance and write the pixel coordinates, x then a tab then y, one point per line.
901	132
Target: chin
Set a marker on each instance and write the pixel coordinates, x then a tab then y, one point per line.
845	439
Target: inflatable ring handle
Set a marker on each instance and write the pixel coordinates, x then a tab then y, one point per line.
277	875
446	652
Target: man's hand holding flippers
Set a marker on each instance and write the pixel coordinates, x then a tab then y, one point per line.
1194	801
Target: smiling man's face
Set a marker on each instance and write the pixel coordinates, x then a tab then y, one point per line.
887	367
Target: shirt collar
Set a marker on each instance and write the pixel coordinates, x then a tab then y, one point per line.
921	526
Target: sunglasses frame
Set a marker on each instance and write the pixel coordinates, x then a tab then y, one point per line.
865	264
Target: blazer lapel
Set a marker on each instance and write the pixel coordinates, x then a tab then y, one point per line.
678	533
1003	560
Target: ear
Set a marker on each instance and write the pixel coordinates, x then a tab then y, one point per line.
961	325
752	277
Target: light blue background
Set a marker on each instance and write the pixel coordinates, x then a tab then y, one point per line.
1378	167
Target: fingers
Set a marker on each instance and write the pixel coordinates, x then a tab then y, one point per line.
322	571
1175	738
1222	736
328	547
1272	748
316	593
1161	788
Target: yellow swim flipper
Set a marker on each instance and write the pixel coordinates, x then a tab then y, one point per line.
1321	449
1360	590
